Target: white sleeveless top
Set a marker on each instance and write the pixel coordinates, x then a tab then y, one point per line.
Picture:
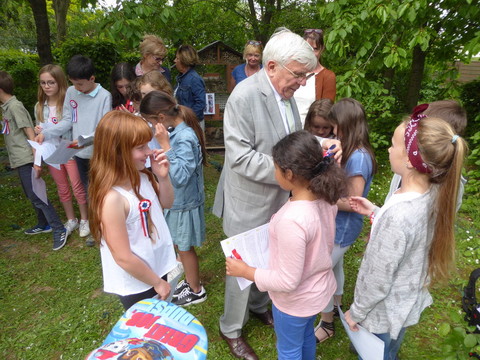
159	255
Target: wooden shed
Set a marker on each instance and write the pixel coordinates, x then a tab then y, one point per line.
217	62
468	72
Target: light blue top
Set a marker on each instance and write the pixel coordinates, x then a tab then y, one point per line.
186	172
349	224
81	114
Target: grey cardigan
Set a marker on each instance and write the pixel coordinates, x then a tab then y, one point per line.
391	290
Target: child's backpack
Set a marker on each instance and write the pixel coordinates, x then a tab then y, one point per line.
469	301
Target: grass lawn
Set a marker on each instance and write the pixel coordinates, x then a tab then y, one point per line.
53	306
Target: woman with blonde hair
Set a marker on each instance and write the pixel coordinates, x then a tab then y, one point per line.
154	52
126	209
52	87
252	54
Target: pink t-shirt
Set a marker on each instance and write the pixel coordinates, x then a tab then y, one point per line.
300	279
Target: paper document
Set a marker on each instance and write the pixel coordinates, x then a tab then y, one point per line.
251	246
44	151
367	345
85	140
39	187
62	154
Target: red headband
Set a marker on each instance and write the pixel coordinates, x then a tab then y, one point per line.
411	142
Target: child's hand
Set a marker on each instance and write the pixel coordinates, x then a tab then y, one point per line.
352	324
361	205
160	164
38	171
161	134
39	138
337	150
37	129
162	289
123	108
235	267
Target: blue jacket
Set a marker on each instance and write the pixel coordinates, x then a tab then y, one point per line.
186	171
190	91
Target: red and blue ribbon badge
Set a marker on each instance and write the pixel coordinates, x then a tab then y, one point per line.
5	127
74	106
55	120
144	207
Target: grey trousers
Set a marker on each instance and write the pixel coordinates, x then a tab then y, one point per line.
237	305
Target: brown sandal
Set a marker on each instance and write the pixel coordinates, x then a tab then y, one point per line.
327	331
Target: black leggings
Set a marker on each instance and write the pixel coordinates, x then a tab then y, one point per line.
129	300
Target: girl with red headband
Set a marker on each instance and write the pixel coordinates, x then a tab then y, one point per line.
412	240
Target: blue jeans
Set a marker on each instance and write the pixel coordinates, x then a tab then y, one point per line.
46	214
391	346
295	336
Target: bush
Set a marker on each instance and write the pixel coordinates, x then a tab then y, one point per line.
103	53
24	70
471	103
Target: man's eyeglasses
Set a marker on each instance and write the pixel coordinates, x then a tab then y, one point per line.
317	31
298	76
159	59
254	42
49	83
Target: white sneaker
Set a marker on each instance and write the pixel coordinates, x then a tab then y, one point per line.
71	225
84	228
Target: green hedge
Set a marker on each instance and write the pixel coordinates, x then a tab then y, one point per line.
471	101
24	67
103	53
24	70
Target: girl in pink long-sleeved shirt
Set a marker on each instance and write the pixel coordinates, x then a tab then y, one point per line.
299	279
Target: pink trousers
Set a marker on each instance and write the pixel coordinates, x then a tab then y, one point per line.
68	170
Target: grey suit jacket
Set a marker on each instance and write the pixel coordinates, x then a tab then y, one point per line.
247	193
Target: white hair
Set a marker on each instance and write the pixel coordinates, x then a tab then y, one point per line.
285	46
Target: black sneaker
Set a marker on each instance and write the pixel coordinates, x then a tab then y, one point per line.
59	239
37	229
188	297
90	241
180	287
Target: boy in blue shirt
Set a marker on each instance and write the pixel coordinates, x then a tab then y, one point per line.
86	102
17	128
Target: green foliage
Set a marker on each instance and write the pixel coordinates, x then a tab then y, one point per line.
103	53
24	70
471	102
458	341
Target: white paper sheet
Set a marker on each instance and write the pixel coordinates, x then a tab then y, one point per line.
39	187
368	346
44	151
252	246
62	153
85	140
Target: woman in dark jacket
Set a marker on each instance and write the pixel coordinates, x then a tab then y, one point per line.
190	88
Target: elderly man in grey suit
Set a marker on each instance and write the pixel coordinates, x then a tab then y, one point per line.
259	112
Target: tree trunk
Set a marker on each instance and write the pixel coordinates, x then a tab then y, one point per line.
416	76
39	9
61	8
